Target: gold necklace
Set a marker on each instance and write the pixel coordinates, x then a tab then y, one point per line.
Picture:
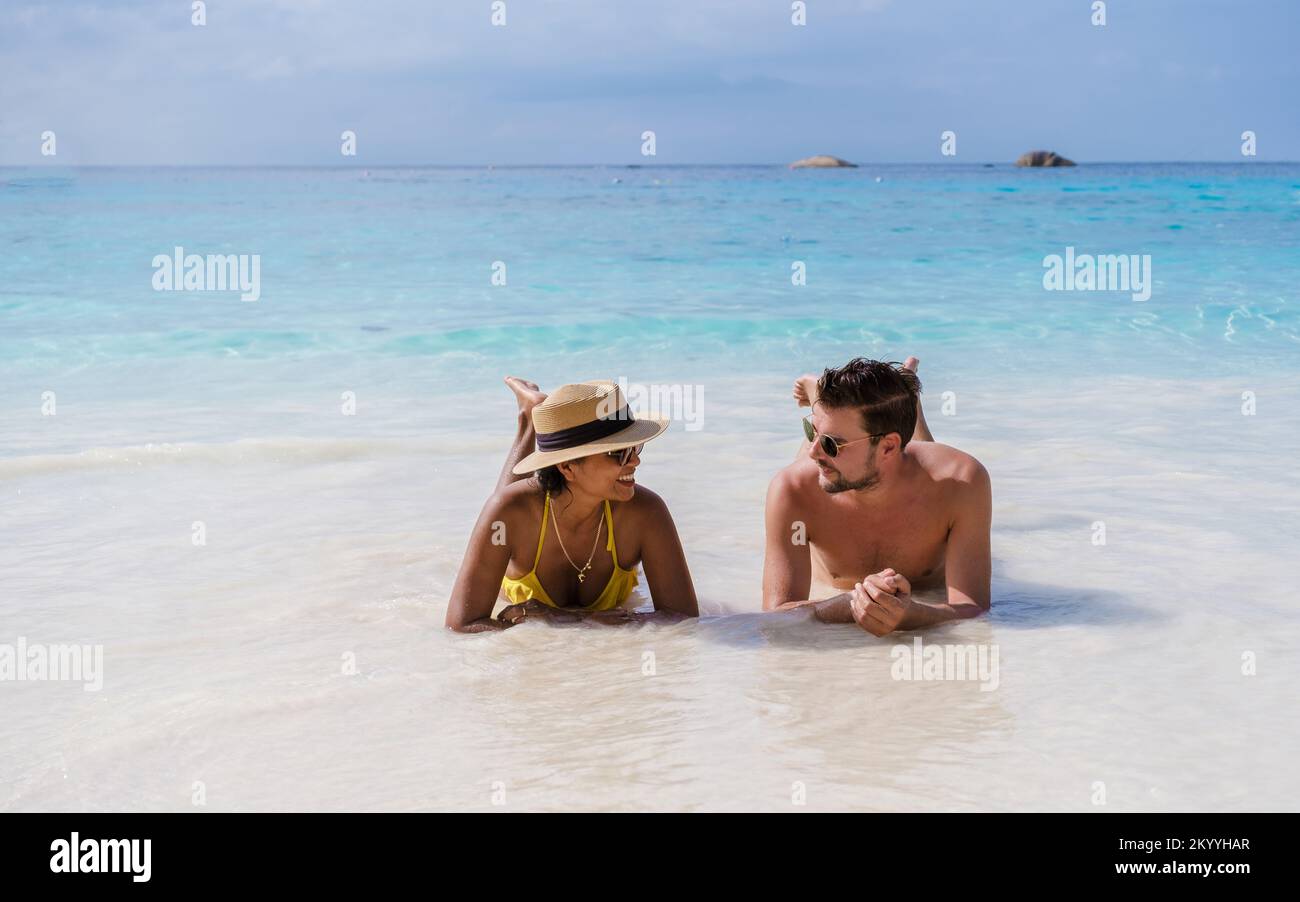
582	571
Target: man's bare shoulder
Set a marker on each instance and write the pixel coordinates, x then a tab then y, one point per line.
944	463
794	480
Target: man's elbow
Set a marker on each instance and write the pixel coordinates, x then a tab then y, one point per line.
777	601
967	607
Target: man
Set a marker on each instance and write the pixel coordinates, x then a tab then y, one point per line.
873	505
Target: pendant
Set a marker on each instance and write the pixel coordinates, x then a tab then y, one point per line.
582	576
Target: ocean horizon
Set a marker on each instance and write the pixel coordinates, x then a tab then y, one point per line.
964	164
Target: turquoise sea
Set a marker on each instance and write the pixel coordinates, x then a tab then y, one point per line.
336	437
396	263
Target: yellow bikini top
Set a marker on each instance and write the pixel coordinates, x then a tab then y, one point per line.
529	587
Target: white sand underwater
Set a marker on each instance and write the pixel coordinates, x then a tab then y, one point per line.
225	665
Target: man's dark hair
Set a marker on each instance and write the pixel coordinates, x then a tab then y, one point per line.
886	394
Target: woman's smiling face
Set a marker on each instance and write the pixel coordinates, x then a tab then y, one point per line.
603	476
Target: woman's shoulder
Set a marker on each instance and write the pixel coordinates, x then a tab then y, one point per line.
521	496
646	505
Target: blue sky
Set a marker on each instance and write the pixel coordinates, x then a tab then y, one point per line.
727	81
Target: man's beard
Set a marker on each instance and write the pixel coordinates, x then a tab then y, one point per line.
843	485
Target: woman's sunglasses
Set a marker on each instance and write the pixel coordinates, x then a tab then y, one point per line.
625	454
830	446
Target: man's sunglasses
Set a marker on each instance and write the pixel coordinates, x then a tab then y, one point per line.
625	454
831	446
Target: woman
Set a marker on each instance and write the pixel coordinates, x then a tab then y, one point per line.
538	542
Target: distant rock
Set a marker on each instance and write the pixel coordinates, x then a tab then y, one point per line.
1043	158
822	161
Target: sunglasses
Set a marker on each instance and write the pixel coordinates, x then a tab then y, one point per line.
831	446
625	454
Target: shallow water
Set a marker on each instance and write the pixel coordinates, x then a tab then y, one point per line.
334	539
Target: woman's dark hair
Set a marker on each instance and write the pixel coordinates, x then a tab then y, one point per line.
551	479
885	393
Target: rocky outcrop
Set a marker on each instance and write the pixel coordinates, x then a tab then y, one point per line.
1043	158
822	161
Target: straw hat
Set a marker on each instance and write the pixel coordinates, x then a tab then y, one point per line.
585	418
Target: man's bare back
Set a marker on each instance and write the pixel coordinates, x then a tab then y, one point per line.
881	520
